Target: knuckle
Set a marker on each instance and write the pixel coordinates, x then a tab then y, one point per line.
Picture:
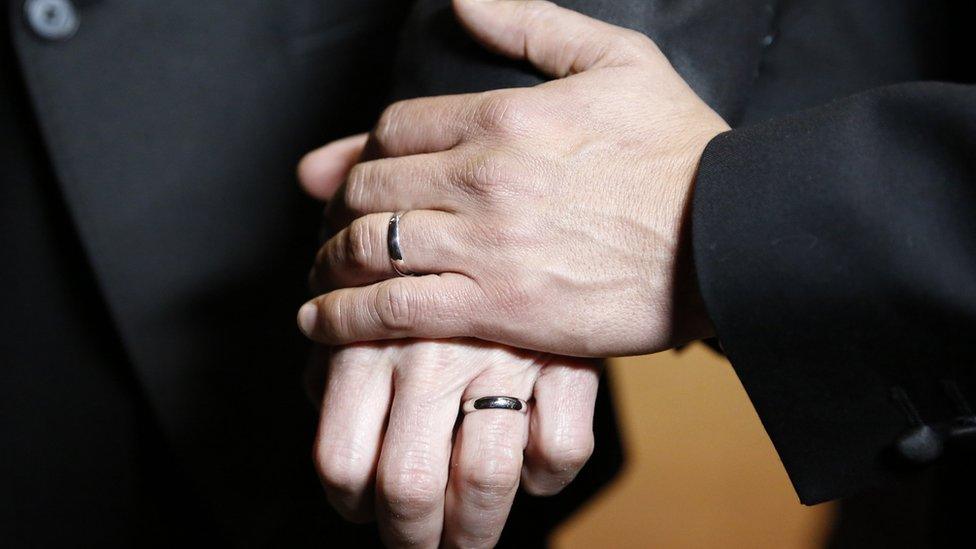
356	186
507	236
490	174
516	234
330	320
635	39
488	488
325	257
505	115
393	305
339	468
566	457
386	126
359	244
633	44
534	10
411	494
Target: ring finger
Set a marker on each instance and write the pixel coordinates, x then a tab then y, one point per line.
359	254
486	464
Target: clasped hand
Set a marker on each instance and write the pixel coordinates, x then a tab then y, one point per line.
550	218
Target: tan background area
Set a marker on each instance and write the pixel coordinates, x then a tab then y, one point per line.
700	472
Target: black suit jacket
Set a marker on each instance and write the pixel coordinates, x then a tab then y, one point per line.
156	149
173	127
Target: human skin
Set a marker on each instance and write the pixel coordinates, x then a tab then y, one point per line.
551	218
389	447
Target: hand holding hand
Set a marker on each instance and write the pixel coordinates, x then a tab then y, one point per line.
549	218
390	446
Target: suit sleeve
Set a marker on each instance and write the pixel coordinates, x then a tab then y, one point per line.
836	253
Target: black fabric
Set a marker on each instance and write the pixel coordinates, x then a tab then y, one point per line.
156	251
929	509
714	44
835	250
172	131
79	442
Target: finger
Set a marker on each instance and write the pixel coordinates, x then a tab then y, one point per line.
413	468
431	307
359	254
419	182
408	164
485	467
429	181
561	424
428	124
558	41
322	171
354	410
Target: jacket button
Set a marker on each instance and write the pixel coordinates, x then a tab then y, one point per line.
51	19
919	445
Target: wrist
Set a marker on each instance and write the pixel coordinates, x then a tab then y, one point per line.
691	320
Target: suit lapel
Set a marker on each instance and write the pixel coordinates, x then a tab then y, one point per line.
173	128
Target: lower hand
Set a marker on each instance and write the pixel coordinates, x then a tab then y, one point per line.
549	218
389	446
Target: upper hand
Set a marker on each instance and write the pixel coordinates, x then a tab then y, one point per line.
550	218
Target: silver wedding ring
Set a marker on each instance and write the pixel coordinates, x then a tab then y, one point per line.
495	403
393	246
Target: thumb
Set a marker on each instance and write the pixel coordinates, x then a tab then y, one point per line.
558	41
322	171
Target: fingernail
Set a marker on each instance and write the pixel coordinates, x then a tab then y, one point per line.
306	317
